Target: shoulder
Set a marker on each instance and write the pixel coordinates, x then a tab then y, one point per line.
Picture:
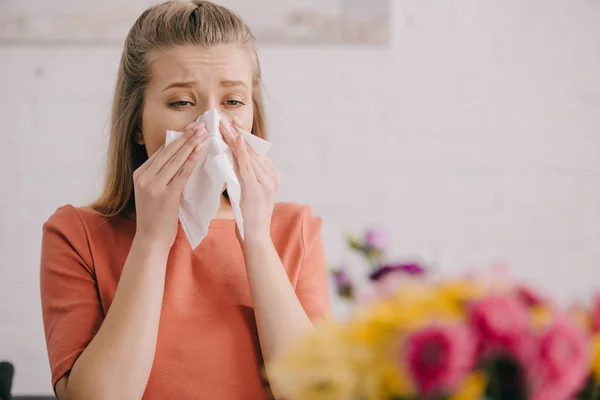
73	219
82	231
82	226
294	222
295	215
64	238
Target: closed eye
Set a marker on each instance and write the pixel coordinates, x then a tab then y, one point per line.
234	103
181	104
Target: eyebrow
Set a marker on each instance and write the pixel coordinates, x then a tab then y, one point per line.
186	84
189	84
228	83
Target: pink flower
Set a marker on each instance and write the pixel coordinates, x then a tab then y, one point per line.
557	366
596	314
376	239
501	324
528	296
439	357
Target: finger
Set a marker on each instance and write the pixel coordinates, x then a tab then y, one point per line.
230	136
195	128
183	174
251	151
272	170
245	168
269	164
259	170
258	160
227	133
269	175
265	162
194	145
237	122
142	168
265	165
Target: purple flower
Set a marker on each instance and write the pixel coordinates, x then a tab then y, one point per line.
410	269
376	239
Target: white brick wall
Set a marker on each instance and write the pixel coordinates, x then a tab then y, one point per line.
474	137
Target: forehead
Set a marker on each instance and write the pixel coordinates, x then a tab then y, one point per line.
208	65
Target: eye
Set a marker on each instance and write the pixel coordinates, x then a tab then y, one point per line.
234	103
181	104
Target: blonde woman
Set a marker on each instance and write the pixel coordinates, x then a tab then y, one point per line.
130	310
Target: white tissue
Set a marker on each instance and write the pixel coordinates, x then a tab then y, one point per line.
202	193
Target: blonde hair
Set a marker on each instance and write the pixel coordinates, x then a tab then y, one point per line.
163	26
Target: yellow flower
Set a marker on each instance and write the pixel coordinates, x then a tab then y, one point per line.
582	317
317	367
461	290
382	378
362	358
596	357
540	316
471	388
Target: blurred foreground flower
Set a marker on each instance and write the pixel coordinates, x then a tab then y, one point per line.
382	276
388	278
343	283
501	325
318	367
472	387
459	339
439	357
595	314
413	337
558	364
376	239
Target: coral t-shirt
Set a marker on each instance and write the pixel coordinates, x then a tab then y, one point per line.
207	340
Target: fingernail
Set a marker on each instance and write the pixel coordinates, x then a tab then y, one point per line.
198	147
237	120
201	131
190	125
201	125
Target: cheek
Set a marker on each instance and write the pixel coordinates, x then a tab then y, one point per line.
247	124
247	117
156	121
152	140
245	114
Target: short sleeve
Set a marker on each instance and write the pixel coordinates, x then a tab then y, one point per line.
312	287
71	308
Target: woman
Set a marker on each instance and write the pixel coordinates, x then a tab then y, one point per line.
130	310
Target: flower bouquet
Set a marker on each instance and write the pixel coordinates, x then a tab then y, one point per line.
467	338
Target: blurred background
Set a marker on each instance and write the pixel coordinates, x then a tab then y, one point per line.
469	130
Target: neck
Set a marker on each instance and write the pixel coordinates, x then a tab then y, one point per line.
225	210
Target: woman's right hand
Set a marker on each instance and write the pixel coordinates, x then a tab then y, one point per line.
158	185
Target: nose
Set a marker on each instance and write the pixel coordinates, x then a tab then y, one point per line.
208	105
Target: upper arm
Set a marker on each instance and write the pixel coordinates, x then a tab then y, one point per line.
60	389
312	287
71	308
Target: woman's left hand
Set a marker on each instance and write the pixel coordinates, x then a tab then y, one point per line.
259	180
